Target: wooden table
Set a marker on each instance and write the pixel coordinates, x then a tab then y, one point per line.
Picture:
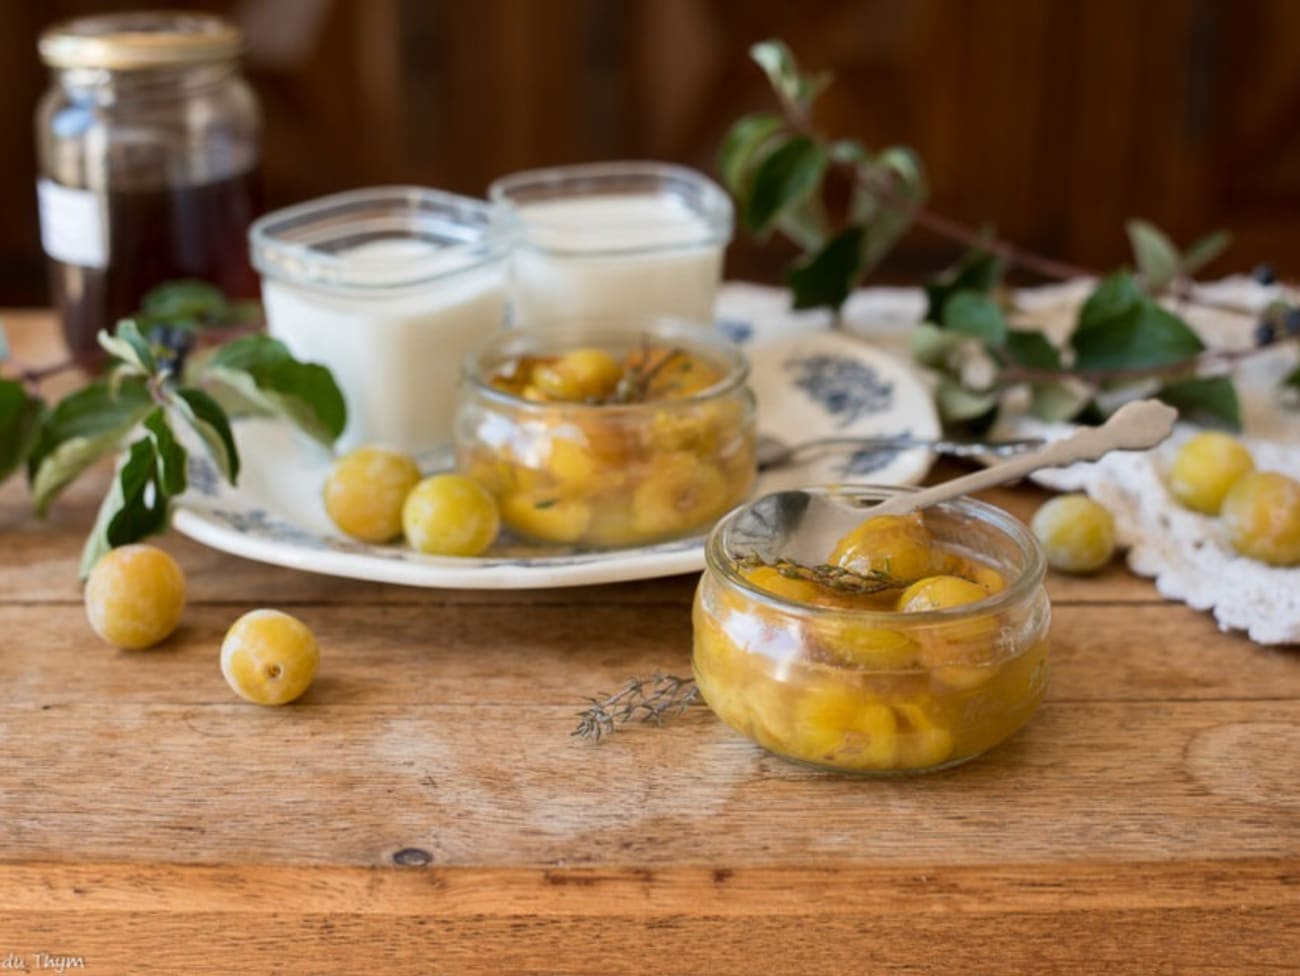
425	810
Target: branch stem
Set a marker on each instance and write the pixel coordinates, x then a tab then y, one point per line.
1013	254
33	376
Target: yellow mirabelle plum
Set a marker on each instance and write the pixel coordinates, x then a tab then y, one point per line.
546	518
135	596
895	545
269	657
1077	533
837	724
1205	468
365	491
922	741
956	652
581	374
679	493
450	515
940	593
1262	514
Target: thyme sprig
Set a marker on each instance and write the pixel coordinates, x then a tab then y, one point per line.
654	700
829	576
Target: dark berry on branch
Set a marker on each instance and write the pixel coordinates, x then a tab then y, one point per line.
172	344
1265	333
1264	274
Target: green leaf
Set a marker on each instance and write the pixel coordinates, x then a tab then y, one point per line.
740	149
956	403
1155	254
1134	336
208	420
136	506
848	151
1293	378
1209	400
931	345
20	422
188	299
827	278
974	314
82	428
191	305
806	223
1206	249
1113	296
976	270
885	219
263	371
1058	400
130	347
1032	349
785	176
171	455
778	63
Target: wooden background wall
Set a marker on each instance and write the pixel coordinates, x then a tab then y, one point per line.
1052	119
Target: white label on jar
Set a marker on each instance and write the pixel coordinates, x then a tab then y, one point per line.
72	225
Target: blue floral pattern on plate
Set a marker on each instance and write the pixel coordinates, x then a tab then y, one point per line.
846	389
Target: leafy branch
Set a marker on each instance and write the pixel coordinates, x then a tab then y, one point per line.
785	173
149	391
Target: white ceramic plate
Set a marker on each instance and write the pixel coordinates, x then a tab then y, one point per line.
817	384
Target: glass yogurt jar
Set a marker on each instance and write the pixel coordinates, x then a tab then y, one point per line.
828	666
390	288
606	437
619	239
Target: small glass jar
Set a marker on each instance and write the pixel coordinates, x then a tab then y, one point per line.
877	692
610	475
389	287
148	144
626	240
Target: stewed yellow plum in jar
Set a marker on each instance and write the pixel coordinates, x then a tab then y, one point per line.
919	643
605	439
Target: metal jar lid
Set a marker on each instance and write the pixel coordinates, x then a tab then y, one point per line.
135	41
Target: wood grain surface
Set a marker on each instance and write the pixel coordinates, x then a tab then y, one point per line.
424	809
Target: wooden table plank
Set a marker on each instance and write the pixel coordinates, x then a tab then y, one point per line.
503	785
1225	940
850	890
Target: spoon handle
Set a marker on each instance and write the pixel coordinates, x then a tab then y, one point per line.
776	454
1135	426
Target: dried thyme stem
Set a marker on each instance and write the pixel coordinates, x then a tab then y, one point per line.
830	576
657	699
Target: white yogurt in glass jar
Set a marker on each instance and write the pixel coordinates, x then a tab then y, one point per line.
615	241
390	288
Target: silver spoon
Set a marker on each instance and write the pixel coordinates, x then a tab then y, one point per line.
775	453
821	520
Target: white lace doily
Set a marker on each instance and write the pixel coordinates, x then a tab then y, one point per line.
1187	554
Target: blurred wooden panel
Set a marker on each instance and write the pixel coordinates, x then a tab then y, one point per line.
1053	120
